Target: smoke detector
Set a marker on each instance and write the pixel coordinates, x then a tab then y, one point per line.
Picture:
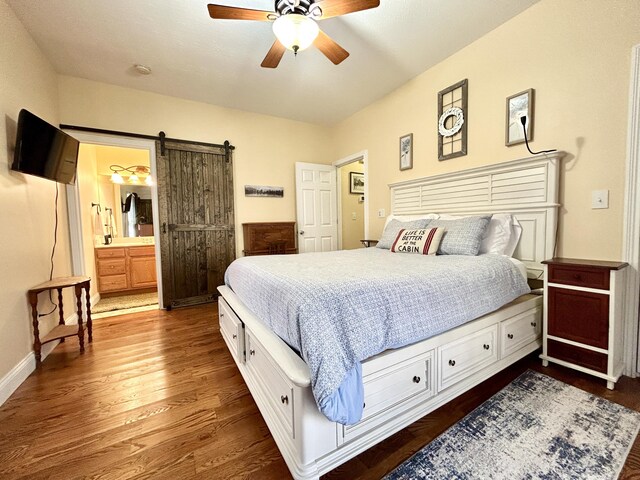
142	69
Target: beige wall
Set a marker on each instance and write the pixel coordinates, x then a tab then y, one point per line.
89	193
352	230
27	80
576	55
266	147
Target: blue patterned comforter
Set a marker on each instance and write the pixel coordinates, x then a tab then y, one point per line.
340	308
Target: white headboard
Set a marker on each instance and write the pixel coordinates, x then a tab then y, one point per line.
527	188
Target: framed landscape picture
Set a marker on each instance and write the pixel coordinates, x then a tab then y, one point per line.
356	182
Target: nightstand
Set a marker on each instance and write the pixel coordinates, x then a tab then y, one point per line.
583	323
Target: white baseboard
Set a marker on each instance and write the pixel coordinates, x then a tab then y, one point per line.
18	374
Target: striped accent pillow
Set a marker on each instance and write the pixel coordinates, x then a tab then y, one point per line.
424	241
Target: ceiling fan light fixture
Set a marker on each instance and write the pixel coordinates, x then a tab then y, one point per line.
295	32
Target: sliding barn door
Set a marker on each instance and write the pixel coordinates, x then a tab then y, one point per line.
195	199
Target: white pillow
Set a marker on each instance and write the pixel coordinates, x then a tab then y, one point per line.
502	234
410	218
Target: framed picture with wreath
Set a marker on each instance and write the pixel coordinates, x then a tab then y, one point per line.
452	121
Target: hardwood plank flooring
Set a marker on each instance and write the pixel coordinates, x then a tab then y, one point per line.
157	395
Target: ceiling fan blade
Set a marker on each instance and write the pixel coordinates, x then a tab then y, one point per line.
274	55
330	48
334	8
238	13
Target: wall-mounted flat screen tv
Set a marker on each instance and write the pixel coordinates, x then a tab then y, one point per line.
44	150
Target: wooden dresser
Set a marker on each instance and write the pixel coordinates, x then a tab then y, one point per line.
583	323
269	238
121	269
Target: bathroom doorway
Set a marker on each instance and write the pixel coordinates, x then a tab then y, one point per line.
113	222
353	206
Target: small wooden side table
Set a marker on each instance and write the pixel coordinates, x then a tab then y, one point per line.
61	331
368	243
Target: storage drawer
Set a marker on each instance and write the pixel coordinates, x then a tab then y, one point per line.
142	251
461	358
519	331
109	252
394	385
579	276
231	329
579	316
116	266
578	356
112	283
278	390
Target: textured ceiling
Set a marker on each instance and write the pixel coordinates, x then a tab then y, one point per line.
218	61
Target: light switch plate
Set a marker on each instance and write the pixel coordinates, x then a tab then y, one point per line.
354	216
600	199
381	213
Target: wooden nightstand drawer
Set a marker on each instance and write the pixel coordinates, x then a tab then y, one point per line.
579	316
579	276
577	356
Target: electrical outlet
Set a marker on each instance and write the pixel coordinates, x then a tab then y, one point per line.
381	213
600	199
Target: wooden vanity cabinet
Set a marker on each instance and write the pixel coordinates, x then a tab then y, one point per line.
121	269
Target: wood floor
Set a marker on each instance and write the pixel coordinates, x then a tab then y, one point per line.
157	395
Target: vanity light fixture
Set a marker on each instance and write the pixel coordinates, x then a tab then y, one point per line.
132	173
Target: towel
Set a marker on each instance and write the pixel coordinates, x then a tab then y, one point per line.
112	224
99	227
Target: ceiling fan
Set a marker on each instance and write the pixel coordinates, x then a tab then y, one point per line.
294	24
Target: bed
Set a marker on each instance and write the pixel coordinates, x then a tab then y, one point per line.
400	384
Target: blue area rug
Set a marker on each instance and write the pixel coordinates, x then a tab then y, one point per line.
535	428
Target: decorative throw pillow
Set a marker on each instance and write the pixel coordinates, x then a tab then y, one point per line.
394	226
424	241
462	236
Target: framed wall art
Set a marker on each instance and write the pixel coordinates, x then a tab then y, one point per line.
356	182
406	152
452	121
518	106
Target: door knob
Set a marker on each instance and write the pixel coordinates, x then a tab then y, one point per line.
301	232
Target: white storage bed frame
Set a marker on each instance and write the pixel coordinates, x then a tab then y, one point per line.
405	384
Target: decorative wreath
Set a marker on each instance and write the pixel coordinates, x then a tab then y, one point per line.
457	125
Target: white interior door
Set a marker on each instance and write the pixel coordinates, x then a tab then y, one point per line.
316	202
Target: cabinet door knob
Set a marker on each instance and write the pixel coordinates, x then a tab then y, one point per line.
416	379
234	336
284	399
301	232
486	346
510	336
452	363
533	324
252	352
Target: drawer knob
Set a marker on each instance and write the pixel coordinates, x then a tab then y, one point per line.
510	336
533	324
284	399
252	352
452	363
416	379
234	336
486	346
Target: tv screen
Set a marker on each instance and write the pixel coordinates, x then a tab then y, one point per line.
44	150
